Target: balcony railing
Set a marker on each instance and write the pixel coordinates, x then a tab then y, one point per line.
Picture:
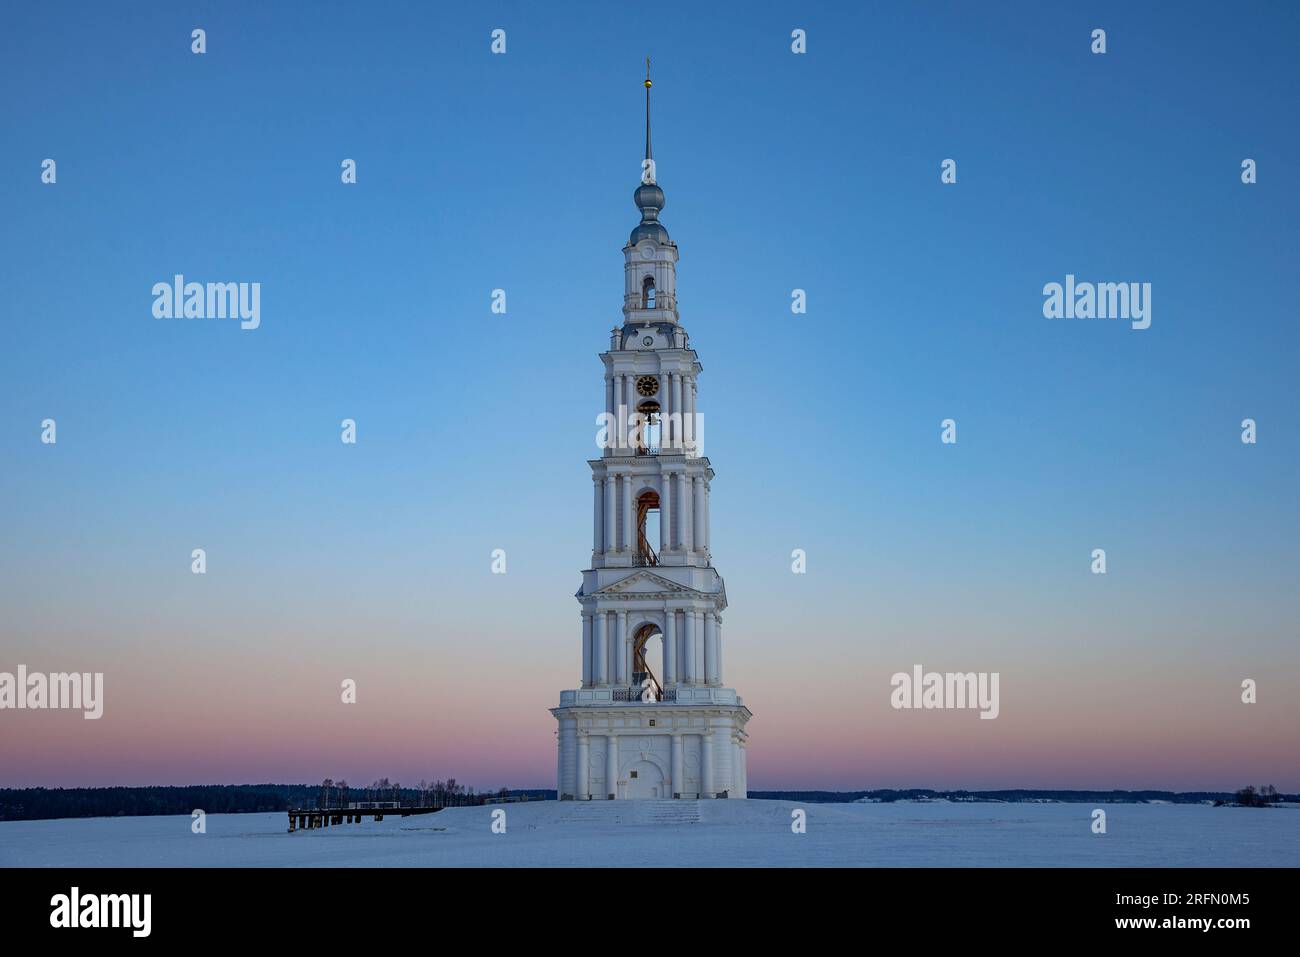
633	695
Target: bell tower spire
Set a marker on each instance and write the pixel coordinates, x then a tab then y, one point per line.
650	256
648	154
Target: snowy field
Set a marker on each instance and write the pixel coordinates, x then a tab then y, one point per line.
685	833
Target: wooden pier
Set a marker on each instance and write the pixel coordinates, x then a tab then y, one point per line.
310	819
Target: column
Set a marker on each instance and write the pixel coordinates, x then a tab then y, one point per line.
665	513
627	655
700	674
629	533
629	395
663	397
676	785
609	394
586	650
737	774
710	649
684	512
599	663
666	396
620	645
688	647
724	774
611	651
670	647
681	649
717	632
697	512
677	407
688	413
706	763
611	765
597	531
704	530
618	412
580	778
607	539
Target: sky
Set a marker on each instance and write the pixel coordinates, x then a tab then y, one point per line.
817	171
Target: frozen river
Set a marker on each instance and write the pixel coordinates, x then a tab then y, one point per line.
666	833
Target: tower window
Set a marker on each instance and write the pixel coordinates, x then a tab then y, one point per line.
647	528
648	293
648	428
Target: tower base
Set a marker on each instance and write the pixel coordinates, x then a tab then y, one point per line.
653	750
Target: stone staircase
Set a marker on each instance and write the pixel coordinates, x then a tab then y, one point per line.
668	813
592	812
665	813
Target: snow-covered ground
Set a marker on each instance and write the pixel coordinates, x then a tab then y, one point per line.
685	833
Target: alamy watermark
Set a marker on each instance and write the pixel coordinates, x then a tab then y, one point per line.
932	689
650	434
77	691
1100	300
179	299
75	909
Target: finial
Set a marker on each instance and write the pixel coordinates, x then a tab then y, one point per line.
648	84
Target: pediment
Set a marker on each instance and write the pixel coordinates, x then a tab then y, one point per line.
646	583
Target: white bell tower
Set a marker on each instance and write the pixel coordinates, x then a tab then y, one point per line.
652	717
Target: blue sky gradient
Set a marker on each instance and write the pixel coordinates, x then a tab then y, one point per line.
818	171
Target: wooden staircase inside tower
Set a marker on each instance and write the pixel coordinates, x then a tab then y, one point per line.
641	671
645	555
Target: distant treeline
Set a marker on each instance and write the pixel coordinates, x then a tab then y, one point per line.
1090	797
31	804
1266	796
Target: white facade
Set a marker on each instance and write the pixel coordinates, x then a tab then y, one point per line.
652	717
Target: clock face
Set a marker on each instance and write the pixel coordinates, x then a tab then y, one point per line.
647	385
647	252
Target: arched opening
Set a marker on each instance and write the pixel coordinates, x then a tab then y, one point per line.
647	528
645	780
648	428
648	292
643	675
